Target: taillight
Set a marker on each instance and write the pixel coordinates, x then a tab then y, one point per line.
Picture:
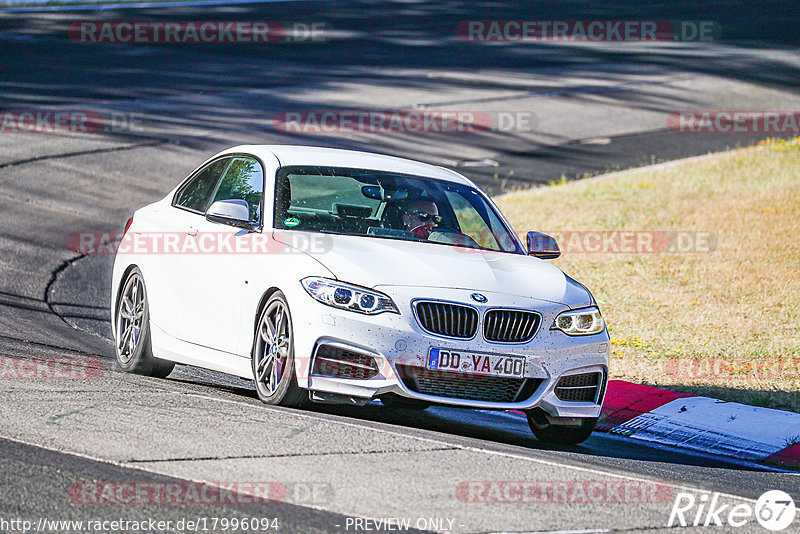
127	225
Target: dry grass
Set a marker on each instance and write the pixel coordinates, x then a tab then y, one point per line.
724	323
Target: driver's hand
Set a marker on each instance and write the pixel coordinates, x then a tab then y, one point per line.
422	231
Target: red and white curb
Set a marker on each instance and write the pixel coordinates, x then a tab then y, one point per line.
701	424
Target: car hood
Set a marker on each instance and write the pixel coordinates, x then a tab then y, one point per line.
372	262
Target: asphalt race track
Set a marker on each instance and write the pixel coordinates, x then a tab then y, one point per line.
593	108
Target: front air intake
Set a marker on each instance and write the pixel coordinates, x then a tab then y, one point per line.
456	385
342	363
579	388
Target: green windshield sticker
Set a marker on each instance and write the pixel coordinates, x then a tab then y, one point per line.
291	221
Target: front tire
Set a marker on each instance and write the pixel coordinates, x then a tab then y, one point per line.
132	328
561	434
273	356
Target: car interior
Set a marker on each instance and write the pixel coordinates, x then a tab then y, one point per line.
360	204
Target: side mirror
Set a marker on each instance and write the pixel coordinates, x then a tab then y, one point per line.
542	246
231	212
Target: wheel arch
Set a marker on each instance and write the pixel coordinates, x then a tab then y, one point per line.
262	303
121	286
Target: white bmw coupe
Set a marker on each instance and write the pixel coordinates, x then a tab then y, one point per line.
337	276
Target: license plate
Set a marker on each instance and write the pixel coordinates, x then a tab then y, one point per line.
476	363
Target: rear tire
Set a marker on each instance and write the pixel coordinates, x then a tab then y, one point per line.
132	328
273	356
561	434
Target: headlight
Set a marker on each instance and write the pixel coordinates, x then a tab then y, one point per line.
348	297
580	322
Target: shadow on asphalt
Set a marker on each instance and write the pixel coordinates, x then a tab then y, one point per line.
385	44
497	427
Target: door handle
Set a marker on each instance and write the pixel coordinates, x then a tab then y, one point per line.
191	230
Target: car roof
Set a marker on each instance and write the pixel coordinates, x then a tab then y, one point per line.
335	157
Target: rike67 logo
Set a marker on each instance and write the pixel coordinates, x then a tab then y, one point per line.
774	510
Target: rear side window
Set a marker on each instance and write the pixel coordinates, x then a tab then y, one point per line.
244	180
196	194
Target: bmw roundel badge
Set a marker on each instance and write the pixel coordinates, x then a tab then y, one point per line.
477	297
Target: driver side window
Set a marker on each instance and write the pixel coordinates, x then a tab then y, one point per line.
196	194
244	180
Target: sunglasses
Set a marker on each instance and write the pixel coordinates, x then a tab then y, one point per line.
425	217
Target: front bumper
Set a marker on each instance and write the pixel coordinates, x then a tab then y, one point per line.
395	341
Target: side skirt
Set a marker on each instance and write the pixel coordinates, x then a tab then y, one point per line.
169	348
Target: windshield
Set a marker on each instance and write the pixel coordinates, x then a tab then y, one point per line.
388	205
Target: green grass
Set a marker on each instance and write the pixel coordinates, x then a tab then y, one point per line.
724	323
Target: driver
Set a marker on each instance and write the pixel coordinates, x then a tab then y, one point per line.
421	217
